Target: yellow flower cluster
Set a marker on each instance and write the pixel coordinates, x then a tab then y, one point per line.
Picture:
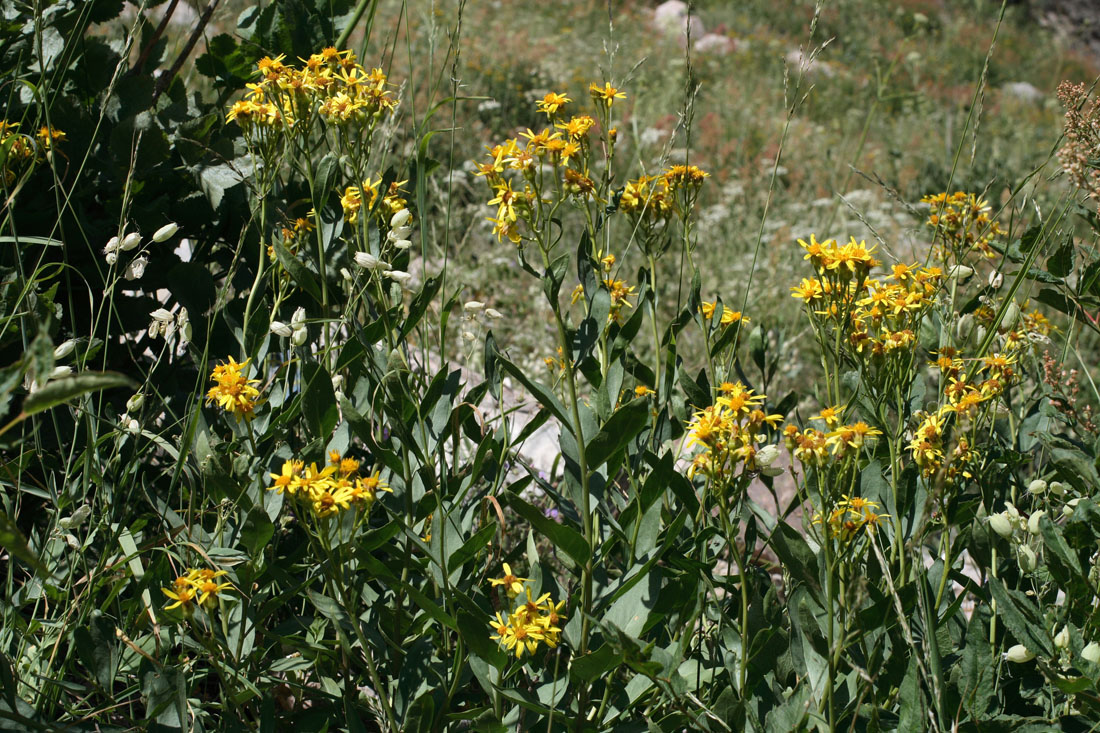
17	149
331	85
655	198
814	447
729	432
232	391
533	622
329	490
851	516
352	200
879	318
729	317
196	586
963	224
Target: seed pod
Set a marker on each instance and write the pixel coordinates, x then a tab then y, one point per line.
1001	524
1038	486
1025	557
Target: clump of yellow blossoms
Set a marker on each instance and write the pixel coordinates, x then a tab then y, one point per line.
962	222
728	318
330	85
232	391
196	586
534	621
730	433
17	149
329	490
851	516
352	200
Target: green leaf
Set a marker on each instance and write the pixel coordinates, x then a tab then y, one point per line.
1056	545
620	429
318	400
62	390
588	667
298	271
1060	263
542	393
564	538
16	544
1021	617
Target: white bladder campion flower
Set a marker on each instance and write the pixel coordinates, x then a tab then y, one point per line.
136	268
1019	654
281	329
369	262
64	349
129	242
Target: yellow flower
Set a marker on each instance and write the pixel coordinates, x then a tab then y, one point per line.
552	103
512	584
365	491
183	597
233	392
286	480
606	94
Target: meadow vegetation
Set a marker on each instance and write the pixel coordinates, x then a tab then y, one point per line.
557	366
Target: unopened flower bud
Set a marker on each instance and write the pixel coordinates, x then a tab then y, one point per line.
298	318
1061	639
129	242
1025	557
468	336
1038	486
64	349
1033	522
472	306
1012	314
133	426
369	262
346	274
165	232
162	315
399	233
1057	488
337	381
281	329
402	244
78	518
112	245
1070	507
299	336
1091	652
400	219
61	372
111	258
961	272
1019	654
135	402
766	456
399	276
996	280
1001	524
493	313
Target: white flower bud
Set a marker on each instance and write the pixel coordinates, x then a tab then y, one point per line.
472	306
61	372
964	327
1038	486
281	329
185	333
1057	488
112	245
1019	654
135	402
468	335
129	242
400	219
298	318
133	426
402	244
961	272
1070	507
399	233
337	381
346	274
766	456
136	268
1061	639
369	262
1033	522
996	280
1011	510
164	232
493	313
1001	524
72	542
1012	314
64	349
299	336
403	278
1025	557
1091	652
78	518
111	258
162	315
